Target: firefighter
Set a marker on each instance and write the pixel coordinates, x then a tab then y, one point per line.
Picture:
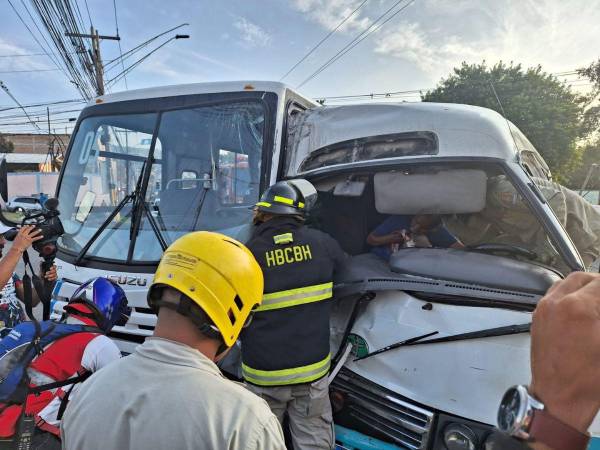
285	350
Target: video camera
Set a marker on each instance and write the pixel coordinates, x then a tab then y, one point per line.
51	227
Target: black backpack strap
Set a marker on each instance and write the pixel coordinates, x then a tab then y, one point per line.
65	400
46	387
82	376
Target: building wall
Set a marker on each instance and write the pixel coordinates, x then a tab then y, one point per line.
31	184
34	143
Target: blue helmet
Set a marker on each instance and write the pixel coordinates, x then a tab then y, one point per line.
106	301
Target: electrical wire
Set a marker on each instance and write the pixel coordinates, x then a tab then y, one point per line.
137	63
28	71
137	48
88	12
327	36
5	89
49	103
358	39
120	50
18	55
61	18
33	35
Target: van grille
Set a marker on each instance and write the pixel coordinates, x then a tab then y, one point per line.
383	412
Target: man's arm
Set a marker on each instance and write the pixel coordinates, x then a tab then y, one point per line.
395	237
565	350
26	236
49	276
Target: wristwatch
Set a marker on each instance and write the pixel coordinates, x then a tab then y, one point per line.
522	416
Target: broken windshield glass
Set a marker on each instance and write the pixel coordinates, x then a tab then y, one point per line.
204	174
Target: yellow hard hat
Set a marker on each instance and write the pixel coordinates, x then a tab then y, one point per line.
217	273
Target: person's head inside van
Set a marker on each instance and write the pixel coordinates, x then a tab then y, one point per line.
402	231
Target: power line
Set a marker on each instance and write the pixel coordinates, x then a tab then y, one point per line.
35	122
137	48
34	105
88	12
3	87
122	74
60	18
40	112
310	52
358	39
18	55
32	34
29	71
120	50
415	92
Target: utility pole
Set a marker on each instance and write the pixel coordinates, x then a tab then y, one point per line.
51	153
96	56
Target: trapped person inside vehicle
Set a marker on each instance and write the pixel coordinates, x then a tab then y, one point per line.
405	231
443	206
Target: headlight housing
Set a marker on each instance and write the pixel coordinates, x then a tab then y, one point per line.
456	433
458	436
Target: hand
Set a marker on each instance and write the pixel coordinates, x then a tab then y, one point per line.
26	236
51	275
565	350
396	237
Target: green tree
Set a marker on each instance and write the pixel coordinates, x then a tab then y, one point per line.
545	109
592	111
5	145
590	154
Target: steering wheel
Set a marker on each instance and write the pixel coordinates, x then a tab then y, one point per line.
503	248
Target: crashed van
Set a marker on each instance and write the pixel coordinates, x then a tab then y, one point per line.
145	167
459	318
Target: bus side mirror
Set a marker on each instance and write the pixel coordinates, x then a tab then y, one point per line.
3	180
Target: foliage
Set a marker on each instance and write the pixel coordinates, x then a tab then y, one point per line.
545	109
590	155
592	112
5	145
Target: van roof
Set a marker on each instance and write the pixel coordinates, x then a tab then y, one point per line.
192	89
462	130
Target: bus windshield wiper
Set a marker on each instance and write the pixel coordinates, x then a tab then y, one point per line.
420	340
136	197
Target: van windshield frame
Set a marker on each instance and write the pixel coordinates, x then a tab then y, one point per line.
524	187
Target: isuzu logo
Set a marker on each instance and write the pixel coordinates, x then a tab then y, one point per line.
128	280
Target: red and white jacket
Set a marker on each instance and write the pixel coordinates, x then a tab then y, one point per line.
62	359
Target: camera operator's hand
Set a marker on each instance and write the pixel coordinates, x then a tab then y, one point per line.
565	350
26	236
51	275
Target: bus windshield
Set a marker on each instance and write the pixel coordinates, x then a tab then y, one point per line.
196	168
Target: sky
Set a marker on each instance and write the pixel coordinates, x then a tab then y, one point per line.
263	39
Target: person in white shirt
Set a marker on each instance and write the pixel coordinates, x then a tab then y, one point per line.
169	394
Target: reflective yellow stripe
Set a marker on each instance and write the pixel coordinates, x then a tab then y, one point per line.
265	204
296	375
294	297
285	238
300	205
287	201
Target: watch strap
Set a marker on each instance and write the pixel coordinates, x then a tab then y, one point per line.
557	435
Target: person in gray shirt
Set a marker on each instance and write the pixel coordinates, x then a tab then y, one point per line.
169	393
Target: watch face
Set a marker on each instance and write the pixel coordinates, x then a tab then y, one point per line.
509	410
